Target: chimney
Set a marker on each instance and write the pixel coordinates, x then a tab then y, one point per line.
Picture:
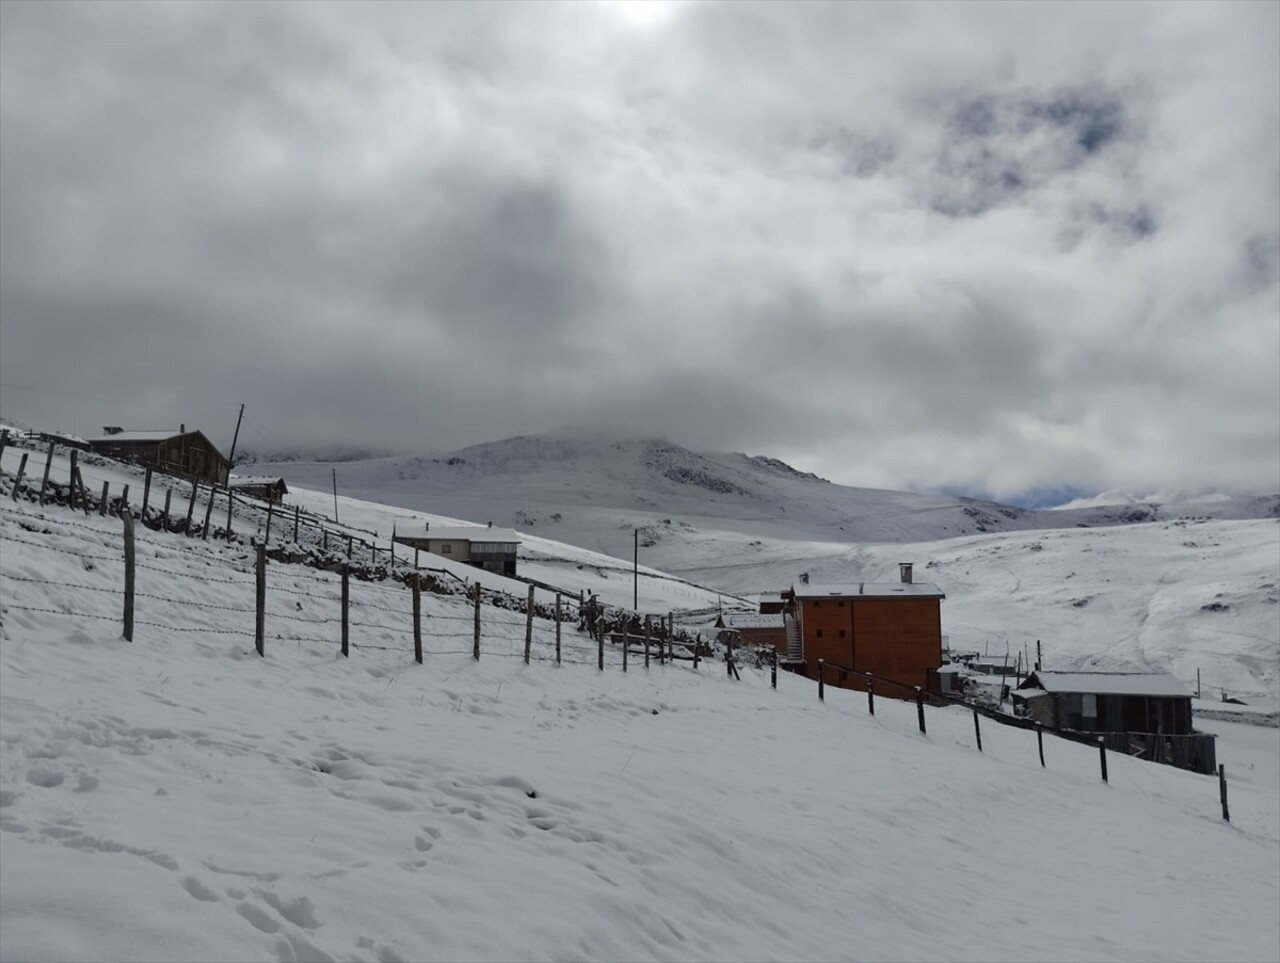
904	572
491	524
111	429
804	577
426	526
182	428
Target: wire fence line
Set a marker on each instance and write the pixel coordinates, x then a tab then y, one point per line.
497	627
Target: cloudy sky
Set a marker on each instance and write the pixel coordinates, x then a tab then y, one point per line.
1002	249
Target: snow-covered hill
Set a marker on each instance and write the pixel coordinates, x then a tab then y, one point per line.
180	798
593	491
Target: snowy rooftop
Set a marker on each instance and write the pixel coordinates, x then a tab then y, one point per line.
1108	683
472	533
868	590
238	481
752	620
161	435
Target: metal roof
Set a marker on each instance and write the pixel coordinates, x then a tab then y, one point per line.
1107	683
143	435
880	590
469	533
752	620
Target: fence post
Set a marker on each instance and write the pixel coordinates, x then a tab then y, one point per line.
124	499
671	635
231	500
164	517
920	708
324	534
297	513
22	467
528	629
626	643
346	608
773	670
270	514
208	514
475	651
646	641
4	439
74	468
600	652
260	626
821	665
102	505
697	644
48	464
415	562
146	495
1040	743
77	483
417	620
191	507
1222	791
976	730
871	694
1102	756
128	574
415	557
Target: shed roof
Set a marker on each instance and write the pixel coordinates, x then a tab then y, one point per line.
246	481
161	435
468	533
1107	683
752	620
884	590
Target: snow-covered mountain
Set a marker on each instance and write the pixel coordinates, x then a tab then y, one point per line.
593	491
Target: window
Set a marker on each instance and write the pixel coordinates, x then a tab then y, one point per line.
446	548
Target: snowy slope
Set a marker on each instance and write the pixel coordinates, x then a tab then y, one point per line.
179	798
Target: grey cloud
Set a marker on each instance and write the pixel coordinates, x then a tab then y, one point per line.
885	241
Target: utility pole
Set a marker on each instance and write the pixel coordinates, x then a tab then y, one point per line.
635	592
235	438
335	494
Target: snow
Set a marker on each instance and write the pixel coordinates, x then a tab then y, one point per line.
1112	683
180	798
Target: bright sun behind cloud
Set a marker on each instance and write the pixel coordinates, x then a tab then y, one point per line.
642	13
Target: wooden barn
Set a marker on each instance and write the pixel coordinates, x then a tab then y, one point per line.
259	486
890	629
1145	714
180	452
489	548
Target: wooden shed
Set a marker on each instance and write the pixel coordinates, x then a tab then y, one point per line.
181	452
489	548
1145	714
756	629
259	486
890	629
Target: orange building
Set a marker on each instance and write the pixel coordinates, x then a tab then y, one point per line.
890	629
